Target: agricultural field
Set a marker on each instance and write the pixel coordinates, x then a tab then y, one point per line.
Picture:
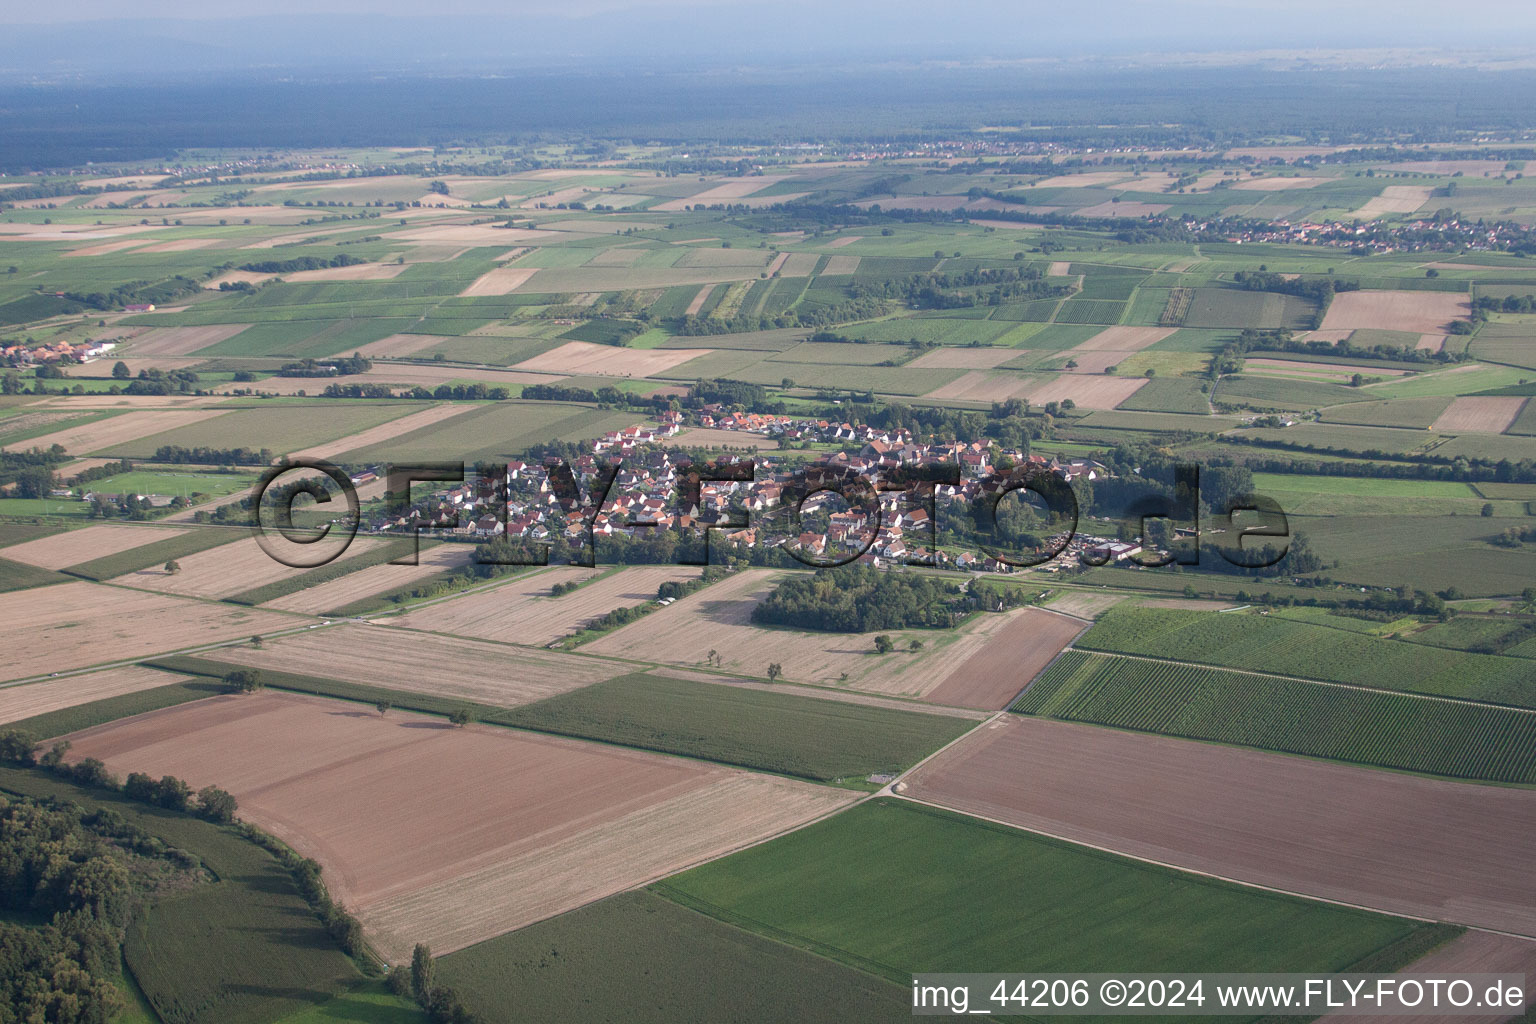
486	673
1453	739
77	624
307	770
33	699
1266	644
844	888
230	569
1338	832
524	612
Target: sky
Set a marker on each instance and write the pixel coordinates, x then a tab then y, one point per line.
70	36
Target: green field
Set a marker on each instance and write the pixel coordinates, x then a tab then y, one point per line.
594	963
1427	552
1389	730
1170	394
896	888
778	732
1413	413
1266	644
20	576
1236	308
242	949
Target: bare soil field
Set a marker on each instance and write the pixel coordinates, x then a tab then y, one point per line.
181	341
559	822
75	546
1277	184
18	702
355	272
524	613
114	430
609	361
1125	209
375	579
128	402
981	386
105	248
397	659
182	245
707	437
1432	342
1088	392
236	277
838	243
70	470
1332	371
67	232
699	300
228	569
994	676
72	625
401	345
777	264
719	618
1398	843
1480	415
1414	312
1123	339
500	281
1475	952
1395	199
1059	268
963	358
98	367
385	431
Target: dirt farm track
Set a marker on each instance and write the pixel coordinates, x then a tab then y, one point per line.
1399	843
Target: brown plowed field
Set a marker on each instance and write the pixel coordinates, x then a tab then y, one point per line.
76	546
72	625
608	360
1398	843
698	300
719	618
525	614
229	569
964	358
1087	391
450	836
114	430
984	386
18	702
991	678
1415	312
181	341
1473	953
1482	415
320	599
395	659
1123	339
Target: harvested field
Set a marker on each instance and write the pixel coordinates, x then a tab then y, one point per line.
1087	179
1060	268
1480	415
521	612
401	345
384	431
72	625
483	673
500	281
1392	842
1085	605
609	361
180	341
1414	312
182	245
1395	199
991	678
842	264
838	243
1122	209
708	437
1088	392
562	822
18	702
799	264
982	386
376	579
777	264
1123	339
115	430
719	617
1473	953
76	546
604	279
355	272
1432	342
699	300
1330	371
963	359
104	248
98	368
70	470
227	569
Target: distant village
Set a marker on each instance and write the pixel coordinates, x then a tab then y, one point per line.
646	494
